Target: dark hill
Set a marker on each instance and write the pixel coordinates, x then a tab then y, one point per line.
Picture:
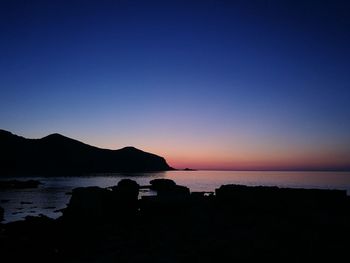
56	154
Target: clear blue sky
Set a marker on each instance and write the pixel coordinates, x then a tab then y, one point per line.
207	84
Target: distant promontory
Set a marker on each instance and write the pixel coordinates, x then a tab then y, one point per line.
56	154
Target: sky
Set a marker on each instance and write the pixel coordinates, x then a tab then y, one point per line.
205	84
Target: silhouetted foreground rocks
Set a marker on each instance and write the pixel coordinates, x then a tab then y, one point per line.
168	188
237	224
95	204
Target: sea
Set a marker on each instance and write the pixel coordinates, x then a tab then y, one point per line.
54	192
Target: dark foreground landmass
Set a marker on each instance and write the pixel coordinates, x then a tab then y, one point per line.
56	155
236	224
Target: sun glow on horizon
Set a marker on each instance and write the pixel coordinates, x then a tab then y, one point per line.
212	85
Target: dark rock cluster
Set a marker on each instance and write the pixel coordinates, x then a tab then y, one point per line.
236	224
95	204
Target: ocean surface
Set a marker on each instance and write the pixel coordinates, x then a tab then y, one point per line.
53	194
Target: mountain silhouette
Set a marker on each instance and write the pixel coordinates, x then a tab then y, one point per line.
56	154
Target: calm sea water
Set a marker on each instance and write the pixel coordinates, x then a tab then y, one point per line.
52	195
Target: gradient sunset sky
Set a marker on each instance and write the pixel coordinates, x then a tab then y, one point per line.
206	84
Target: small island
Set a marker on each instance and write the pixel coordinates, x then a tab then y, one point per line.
189	169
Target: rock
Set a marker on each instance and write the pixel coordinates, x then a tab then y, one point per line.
95	204
200	228
161	184
125	198
168	188
127	189
88	204
171	199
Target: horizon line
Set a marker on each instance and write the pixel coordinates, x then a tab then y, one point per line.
269	170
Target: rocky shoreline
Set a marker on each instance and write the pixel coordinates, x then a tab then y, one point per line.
236	223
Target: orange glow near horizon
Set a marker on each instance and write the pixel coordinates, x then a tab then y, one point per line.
256	164
217	85
246	158
239	152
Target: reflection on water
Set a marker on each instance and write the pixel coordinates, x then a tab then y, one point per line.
52	195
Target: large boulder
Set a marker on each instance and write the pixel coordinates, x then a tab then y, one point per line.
89	204
161	184
125	198
95	204
171	199
127	189
168	188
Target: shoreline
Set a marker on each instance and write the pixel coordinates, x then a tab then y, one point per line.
53	190
236	223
